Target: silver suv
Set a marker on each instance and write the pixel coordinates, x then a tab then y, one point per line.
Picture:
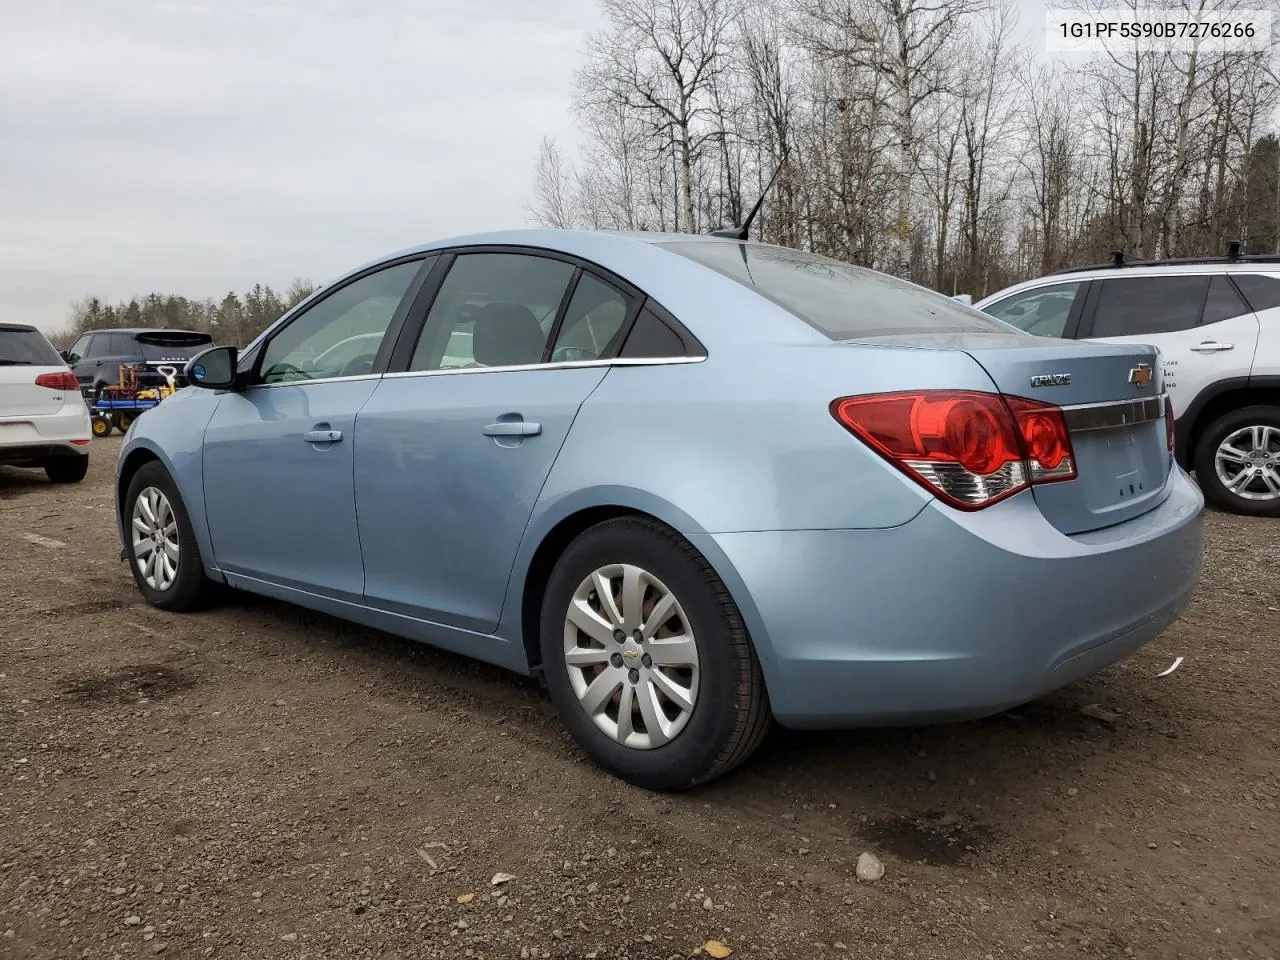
1216	322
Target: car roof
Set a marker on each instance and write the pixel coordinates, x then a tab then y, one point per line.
1110	271
18	327
724	310
134	331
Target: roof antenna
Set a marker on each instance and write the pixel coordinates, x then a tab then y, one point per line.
1233	250
740	233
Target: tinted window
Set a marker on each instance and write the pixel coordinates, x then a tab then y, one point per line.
650	337
303	350
117	345
94	344
1141	306
1223	302
840	300
592	320
493	310
1263	293
20	347
1043	311
171	346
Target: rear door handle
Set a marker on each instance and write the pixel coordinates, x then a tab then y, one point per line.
513	428
1212	346
322	436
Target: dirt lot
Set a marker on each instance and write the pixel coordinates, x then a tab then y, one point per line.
258	781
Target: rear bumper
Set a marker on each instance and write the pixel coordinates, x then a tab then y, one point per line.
28	439
955	615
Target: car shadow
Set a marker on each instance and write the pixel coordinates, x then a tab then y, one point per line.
17	481
946	794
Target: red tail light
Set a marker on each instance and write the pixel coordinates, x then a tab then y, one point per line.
1170	430
971	449
58	381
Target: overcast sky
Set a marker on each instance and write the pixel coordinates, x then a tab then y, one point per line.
201	146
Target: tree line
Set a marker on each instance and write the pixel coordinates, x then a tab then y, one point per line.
919	137
234	320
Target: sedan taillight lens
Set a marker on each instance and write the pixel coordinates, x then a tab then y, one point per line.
58	381
969	448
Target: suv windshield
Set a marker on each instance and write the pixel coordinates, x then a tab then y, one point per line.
22	346
172	346
838	299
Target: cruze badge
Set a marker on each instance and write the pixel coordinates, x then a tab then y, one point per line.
1140	375
1051	380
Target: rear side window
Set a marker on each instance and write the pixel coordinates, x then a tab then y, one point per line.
651	338
26	348
1262	292
118	345
838	299
1223	302
1143	306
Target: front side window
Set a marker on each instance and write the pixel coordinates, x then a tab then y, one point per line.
493	310
592	320
840	300
1147	306
305	349
79	349
1043	311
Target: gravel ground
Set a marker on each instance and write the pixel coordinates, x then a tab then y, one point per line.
259	781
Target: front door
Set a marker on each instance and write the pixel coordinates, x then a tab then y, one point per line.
278	456
454	452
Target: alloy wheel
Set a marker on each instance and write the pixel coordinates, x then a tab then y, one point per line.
155	538
1248	462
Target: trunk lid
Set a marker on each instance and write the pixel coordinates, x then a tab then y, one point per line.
1112	395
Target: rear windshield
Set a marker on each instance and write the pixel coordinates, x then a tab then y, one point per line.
172	346
840	300
27	348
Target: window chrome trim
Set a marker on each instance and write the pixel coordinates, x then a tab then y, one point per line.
560	365
1114	413
301	383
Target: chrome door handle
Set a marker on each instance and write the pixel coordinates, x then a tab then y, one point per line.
1212	346
513	428
322	436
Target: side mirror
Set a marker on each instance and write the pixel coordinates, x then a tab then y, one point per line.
213	369
65	355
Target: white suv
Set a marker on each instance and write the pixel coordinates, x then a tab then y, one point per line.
44	421
1216	323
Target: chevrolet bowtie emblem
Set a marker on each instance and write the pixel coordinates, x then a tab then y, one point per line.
1140	375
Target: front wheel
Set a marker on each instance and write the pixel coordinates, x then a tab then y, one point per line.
647	659
160	543
1237	461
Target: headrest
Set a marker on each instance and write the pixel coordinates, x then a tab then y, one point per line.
506	334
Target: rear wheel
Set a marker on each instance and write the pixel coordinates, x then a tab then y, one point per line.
66	469
1237	461
160	543
647	658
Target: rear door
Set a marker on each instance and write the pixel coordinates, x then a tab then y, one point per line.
454	450
1203	328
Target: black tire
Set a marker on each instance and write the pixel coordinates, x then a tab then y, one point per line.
1215	491
67	469
191	589
730	714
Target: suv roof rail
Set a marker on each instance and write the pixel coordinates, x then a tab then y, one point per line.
1118	259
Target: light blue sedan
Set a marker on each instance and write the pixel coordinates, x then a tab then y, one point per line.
697	484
